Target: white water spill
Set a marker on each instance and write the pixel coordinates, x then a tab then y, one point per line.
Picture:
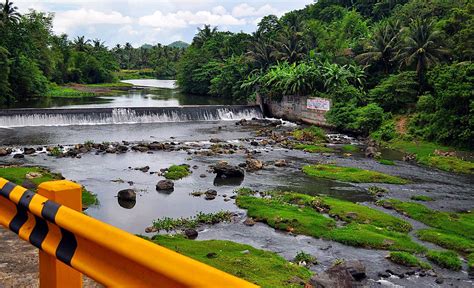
129	116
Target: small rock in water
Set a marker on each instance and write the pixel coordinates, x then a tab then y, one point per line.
151	229
281	163
191	233
127	194
143	169
249	222
211	192
210	197
28	151
203	175
439	280
18	156
165	185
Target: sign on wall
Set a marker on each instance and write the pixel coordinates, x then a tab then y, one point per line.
318	104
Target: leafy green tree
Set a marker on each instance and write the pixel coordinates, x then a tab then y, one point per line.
422	47
397	92
26	79
382	46
4	74
9	13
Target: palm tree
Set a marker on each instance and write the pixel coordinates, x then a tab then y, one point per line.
421	47
81	44
260	51
204	34
9	13
289	46
98	44
382	46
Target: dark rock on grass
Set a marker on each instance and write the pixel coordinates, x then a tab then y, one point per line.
28	151
191	233
343	275
166	185
151	229
211	255
224	170
127	194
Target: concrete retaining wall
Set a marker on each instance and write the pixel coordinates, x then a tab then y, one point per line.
295	108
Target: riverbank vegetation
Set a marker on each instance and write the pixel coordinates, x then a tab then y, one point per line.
375	62
365	226
33	176
350	174
266	269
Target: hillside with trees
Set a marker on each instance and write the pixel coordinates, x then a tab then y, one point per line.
379	63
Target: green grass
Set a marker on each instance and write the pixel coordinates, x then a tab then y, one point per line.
313	148
176	172
313	134
110	85
351	212
350	148
263	268
349	174
18	174
447	240
424	152
299	214
461	224
422	198
445	259
470	261
136	74
68	92
406	259
386	162
368	236
287	217
170	224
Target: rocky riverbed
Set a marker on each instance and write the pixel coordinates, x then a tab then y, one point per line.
262	158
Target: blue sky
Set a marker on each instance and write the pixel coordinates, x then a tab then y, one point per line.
148	21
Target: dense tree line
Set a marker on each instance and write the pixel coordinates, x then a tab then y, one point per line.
32	58
375	59
159	59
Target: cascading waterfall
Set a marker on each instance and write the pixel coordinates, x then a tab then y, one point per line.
99	116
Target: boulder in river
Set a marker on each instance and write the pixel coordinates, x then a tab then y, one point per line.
5	151
371	152
127	194
254	165
224	170
167	185
281	163
28	151
191	233
344	275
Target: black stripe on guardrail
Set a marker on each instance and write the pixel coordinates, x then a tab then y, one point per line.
49	211
39	232
7	189
67	247
21	215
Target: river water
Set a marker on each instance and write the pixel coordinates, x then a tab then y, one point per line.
106	174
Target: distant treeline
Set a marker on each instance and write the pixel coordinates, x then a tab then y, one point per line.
376	59
33	60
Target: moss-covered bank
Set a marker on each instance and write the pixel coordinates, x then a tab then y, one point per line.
263	268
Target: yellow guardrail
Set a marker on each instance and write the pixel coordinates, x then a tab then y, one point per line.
72	243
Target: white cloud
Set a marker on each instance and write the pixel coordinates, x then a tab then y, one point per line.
245	10
64	21
128	29
219	10
182	19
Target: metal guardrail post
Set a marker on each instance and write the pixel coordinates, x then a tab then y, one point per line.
54	273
